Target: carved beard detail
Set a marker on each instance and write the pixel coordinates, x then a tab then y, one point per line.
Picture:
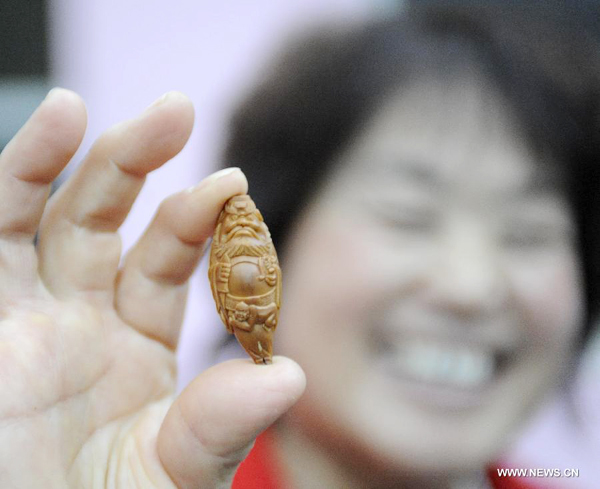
244	247
241	247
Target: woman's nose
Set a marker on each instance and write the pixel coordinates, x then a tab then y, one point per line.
468	277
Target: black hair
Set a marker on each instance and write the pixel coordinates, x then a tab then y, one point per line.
544	61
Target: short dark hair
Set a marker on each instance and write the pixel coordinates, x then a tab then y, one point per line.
543	61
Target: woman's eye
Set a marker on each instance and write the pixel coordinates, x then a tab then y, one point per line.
409	217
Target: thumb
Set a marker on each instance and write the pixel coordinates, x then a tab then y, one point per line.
211	426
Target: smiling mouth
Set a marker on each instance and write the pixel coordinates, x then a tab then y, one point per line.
460	367
442	374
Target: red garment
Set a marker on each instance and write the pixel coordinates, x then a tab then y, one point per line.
261	470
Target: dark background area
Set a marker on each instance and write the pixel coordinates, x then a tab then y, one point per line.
23	38
24	62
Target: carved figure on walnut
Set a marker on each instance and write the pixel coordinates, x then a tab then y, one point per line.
245	277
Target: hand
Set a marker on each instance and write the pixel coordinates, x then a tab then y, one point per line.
87	347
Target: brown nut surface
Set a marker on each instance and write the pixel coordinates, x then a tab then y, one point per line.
245	277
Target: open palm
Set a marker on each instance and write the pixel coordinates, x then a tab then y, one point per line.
87	344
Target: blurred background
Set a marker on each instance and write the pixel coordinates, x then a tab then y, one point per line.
121	55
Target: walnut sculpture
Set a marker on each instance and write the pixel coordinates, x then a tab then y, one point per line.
245	277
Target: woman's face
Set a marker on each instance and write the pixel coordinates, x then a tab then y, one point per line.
432	291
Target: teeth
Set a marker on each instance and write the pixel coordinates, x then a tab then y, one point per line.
456	366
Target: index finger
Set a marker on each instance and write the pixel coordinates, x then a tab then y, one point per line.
34	158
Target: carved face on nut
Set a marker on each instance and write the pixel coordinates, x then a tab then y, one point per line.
242	221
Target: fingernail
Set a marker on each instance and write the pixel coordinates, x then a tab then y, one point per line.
159	101
213	178
53	92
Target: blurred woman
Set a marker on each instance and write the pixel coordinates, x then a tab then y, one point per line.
429	182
